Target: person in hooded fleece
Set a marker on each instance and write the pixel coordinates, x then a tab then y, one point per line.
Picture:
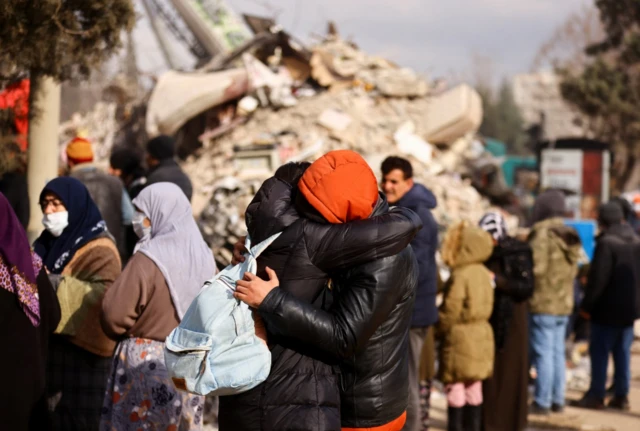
402	191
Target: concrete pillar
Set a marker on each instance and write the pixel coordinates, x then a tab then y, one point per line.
43	145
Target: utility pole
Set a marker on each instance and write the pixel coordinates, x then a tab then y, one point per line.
43	144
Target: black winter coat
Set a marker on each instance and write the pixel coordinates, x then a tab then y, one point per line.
366	328
421	200
512	264
23	402
302	390
612	295
168	171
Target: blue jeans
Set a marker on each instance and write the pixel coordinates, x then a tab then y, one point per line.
547	354
606	340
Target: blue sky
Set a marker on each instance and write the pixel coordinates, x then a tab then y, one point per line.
436	37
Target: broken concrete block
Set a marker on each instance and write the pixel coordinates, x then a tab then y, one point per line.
334	120
256	162
395	82
247	105
178	97
453	114
410	143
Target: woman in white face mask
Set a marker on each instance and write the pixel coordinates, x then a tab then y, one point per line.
142	228
145	304
82	261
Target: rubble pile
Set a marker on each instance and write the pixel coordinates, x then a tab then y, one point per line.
351	101
98	125
116	120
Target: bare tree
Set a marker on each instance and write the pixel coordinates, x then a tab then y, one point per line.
566	46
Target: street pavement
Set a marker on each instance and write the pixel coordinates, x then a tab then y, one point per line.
572	418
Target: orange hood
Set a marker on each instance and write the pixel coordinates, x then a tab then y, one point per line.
341	186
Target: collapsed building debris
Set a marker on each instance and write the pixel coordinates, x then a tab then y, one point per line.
350	101
99	125
179	97
272	101
117	120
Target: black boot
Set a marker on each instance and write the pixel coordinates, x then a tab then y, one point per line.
454	419
619	403
472	419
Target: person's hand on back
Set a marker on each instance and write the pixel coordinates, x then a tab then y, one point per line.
238	251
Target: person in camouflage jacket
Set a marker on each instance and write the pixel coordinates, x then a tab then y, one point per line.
556	251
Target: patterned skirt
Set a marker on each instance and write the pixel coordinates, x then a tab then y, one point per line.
141	396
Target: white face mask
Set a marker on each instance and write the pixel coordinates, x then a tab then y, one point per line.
138	225
55	223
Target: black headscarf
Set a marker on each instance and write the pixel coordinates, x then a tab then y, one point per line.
85	224
161	147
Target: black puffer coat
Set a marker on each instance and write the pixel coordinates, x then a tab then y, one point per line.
366	328
170	172
302	390
612	295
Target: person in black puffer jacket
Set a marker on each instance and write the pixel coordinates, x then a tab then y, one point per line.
505	393
302	390
365	328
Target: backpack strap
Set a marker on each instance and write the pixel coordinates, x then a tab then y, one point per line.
259	248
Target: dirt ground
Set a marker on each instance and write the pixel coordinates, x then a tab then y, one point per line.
573	418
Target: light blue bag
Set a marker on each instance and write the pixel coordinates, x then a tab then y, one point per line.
215	349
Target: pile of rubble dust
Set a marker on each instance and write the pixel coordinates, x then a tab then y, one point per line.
351	119
349	101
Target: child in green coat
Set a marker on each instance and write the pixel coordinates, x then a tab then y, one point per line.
467	348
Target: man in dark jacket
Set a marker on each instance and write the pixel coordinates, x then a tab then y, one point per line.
612	302
106	191
364	323
401	190
126	164
163	167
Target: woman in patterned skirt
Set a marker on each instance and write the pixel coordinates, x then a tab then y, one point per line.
166	272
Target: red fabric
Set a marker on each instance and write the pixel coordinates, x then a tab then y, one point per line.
394	425
341	186
592	162
592	173
16	97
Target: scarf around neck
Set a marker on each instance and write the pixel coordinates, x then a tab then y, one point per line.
175	245
85	224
